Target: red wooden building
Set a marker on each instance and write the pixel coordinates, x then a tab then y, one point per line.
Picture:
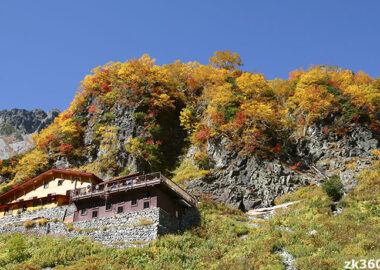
131	193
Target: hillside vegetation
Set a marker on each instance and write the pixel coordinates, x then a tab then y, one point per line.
309	231
172	107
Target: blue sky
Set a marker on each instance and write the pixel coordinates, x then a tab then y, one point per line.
47	47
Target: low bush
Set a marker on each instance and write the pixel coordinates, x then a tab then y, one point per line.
333	188
143	222
29	224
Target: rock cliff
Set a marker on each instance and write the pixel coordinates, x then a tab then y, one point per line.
250	182
16	127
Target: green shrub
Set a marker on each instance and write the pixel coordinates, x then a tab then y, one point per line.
333	188
5	189
17	248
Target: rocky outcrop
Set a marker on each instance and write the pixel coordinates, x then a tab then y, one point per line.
16	127
248	182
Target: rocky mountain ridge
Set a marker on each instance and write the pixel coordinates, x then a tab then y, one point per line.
16	127
230	135
250	182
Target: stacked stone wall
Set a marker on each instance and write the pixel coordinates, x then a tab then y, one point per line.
131	229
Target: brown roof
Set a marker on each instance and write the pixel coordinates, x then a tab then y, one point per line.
50	172
35	200
122	177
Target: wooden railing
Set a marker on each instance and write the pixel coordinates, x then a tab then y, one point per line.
130	183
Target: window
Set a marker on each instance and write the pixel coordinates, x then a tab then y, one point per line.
108	206
60	182
94	214
146	205
36	204
83	211
23	207
47	202
46	185
134	202
120	209
146	194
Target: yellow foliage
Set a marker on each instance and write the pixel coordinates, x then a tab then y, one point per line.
312	101
252	84
226	60
34	161
188	119
163	101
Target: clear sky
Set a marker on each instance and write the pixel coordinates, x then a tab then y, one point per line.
47	47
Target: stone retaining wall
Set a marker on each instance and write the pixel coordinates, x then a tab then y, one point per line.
50	213
121	230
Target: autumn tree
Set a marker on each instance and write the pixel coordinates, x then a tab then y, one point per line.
226	60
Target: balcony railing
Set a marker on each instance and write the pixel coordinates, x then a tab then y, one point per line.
124	184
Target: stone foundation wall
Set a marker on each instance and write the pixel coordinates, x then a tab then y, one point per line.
50	213
128	219
131	229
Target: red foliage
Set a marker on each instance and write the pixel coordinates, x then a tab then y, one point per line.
66	115
66	148
295	74
326	130
240	118
105	87
295	166
217	118
48	139
356	117
203	134
92	109
250	147
277	148
158	142
237	73
332	83
191	82
301	120
149	142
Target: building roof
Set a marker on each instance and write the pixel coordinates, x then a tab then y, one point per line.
52	197
48	173
122	177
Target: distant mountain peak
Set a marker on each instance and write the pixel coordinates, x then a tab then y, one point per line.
16	127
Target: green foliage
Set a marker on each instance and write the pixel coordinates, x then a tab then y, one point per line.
15	250
202	160
6	130
333	188
108	116
5	189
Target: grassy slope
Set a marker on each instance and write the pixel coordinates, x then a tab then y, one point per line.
216	243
